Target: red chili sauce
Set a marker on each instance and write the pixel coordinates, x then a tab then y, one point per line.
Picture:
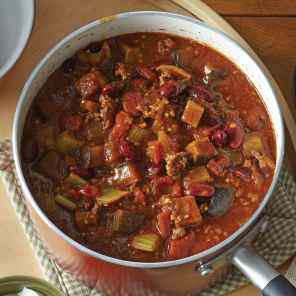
148	147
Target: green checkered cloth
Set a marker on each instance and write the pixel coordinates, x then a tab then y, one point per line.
276	244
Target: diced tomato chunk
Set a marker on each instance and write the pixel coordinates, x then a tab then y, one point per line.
216	166
71	122
180	248
130	100
88	191
74	194
140	198
123	122
203	132
167	185
156	150
87	85
164	224
69	160
140	84
176	190
146	72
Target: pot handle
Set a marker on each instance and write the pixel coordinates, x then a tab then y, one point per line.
264	276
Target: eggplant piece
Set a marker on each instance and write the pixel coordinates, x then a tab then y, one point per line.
128	222
212	72
92	156
202	151
50	165
220	201
44	110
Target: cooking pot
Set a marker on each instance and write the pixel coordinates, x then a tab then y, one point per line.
180	277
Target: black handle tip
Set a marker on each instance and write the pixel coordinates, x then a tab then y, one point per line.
279	286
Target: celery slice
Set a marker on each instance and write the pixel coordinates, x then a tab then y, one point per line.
146	242
138	134
67	143
49	203
112	195
75	180
65	202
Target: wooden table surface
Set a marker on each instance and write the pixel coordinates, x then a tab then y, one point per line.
267	25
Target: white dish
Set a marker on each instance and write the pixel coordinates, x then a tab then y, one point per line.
16	24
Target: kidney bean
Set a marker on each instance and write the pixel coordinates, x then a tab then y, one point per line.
156	64
200	189
128	150
80	171
210	119
153	168
219	137
114	88
239	172
146	72
201	92
68	66
168	89
234	132
29	149
172	88
95	47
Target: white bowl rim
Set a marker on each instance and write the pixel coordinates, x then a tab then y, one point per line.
8	66
223	244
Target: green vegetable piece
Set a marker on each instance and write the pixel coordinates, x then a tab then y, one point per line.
49	203
50	165
110	196
65	202
67	143
75	180
146	242
92	156
100	58
138	134
232	156
128	222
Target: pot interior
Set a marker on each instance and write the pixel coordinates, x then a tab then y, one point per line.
150	22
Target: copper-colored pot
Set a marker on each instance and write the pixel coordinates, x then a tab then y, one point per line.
180	277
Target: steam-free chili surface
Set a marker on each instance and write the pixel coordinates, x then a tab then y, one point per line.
148	147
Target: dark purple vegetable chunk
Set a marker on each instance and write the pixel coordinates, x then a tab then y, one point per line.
29	149
68	66
128	222
210	119
95	47
220	201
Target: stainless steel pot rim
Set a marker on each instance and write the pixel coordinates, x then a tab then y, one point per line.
196	257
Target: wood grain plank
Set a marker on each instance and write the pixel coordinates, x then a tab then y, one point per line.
274	41
253	7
